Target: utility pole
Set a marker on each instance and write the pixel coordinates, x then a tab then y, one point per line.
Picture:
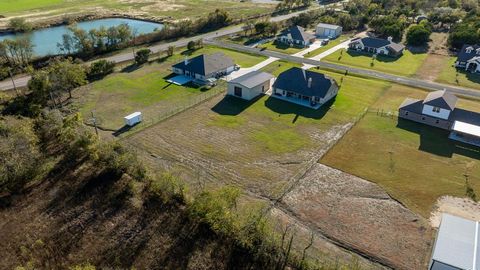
13	81
95	123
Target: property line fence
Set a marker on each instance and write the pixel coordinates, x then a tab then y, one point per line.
172	110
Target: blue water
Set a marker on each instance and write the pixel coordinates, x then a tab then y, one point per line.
45	40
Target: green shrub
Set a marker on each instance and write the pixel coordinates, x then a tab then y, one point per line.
20	25
100	69
141	57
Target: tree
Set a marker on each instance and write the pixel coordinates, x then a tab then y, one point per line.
170	51
191	45
16	53
141	57
418	35
20	25
100	69
65	75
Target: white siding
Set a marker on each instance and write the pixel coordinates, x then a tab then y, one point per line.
443	114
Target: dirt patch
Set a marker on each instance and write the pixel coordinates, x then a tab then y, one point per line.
359	216
432	67
461	207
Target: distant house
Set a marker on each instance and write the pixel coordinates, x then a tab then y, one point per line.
204	67
303	87
377	46
456	246
469	58
250	85
420	18
438	109
324	30
296	36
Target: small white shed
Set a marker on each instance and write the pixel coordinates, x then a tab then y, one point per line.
325	30
133	119
250	85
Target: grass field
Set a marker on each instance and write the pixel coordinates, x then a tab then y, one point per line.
416	164
174	9
406	65
450	75
146	90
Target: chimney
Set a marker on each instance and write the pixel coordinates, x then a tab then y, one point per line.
309	82
186	60
390	39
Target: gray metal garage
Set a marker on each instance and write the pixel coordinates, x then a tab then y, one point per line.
325	30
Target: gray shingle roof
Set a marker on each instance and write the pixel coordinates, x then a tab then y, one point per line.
297	33
206	63
253	79
296	80
441	99
464	56
329	26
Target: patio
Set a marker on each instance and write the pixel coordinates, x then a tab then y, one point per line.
295	100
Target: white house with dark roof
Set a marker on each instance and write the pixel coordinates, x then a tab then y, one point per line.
377	46
250	85
439	110
304	87
325	30
204	67
469	58
296	36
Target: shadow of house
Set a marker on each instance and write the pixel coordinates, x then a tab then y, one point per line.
232	106
435	140
287	108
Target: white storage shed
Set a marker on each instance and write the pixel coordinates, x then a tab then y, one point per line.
133	119
325	30
250	85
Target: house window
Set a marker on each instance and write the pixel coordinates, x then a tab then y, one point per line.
237	91
423	118
406	113
263	88
317	99
436	109
437	122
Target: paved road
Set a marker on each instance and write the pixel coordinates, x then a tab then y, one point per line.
364	72
122	57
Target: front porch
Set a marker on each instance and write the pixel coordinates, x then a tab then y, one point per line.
304	101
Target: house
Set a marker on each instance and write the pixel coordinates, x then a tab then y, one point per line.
469	58
439	110
324	30
420	18
296	36
377	46
205	67
303	87
456	246
250	85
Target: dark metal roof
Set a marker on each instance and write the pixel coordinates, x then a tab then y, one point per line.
297	33
412	105
206	63
441	99
374	42
296	80
464	56
253	79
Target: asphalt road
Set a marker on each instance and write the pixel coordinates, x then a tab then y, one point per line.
432	86
123	57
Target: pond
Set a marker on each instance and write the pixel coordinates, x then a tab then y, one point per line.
45	40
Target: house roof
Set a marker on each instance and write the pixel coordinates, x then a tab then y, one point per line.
464	55
466	128
296	80
253	79
441	99
329	26
412	105
206	63
297	33
457	243
379	43
396	47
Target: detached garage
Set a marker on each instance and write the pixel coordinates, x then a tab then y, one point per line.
324	30
250	85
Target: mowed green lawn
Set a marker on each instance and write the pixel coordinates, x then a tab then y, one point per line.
406	65
147	90
415	163
450	75
280	47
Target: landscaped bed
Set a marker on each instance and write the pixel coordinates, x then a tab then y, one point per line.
406	65
415	163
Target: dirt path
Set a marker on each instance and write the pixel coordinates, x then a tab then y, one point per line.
431	67
462	207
